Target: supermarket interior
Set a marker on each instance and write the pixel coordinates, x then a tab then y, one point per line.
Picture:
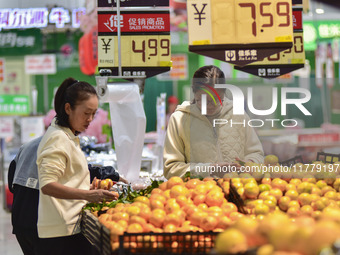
285	78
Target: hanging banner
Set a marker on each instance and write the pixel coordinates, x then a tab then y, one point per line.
237	31
20	42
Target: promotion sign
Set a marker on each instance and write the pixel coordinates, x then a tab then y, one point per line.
145	42
40	64
283	62
6	127
133	3
16	42
239	31
14	105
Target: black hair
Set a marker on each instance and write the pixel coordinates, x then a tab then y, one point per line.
207	75
73	92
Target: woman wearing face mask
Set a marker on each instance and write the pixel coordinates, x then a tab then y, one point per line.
195	143
64	178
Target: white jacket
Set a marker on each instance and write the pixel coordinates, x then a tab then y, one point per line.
191	139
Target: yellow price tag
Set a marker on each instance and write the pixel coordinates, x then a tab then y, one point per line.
136	51
240	21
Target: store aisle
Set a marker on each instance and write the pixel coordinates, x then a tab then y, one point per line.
8	242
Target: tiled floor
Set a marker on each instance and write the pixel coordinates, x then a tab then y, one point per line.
8	242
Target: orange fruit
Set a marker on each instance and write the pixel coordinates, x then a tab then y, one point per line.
180	214
115	231
277	193
120	216
215	209
157	191
137	219
142	199
134	228
293	194
186	208
171	207
251	190
166	194
235	215
208	223
294	203
228	208
283	203
305	199
123	223
149	227
163	186
160	211
140	205
224	222
104	184
200	188
214	198
133	210
175	180
178	190
154	204
202	207
196	217
182	200
157	197
199	199
293	211
231	241
173	219
307	210
192	183
261	209
170	228
157	219
145	213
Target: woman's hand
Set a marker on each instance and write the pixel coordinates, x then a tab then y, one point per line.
99	195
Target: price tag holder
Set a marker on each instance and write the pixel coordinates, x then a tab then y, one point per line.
239	31
145	42
283	62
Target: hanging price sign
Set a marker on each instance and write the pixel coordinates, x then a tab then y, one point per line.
283	62
239	31
145	42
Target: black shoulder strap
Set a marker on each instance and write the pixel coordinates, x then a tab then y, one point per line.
11	172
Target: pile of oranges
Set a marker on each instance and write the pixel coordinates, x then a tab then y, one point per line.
297	216
175	206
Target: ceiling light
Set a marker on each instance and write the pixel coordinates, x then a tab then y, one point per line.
320	11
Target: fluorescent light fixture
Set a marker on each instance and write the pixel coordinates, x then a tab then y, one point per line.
320	11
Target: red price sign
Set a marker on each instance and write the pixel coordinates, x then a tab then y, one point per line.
145	42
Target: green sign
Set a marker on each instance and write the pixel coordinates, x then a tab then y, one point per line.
20	42
14	105
314	31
